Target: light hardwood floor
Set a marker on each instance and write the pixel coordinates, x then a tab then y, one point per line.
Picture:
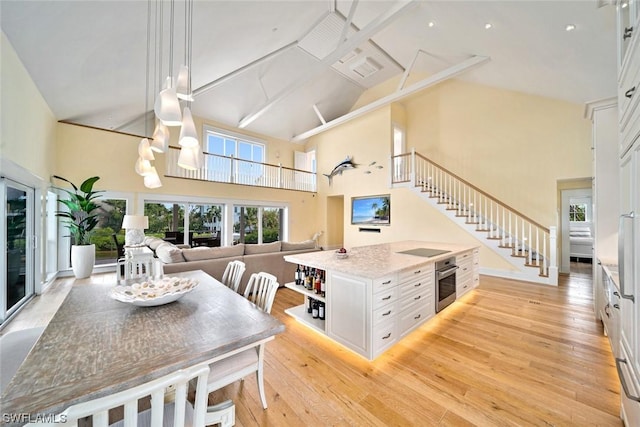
508	353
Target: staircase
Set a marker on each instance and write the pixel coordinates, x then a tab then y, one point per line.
528	246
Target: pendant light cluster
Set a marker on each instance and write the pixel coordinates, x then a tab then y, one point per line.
168	111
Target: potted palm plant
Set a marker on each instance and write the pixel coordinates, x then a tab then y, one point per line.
80	218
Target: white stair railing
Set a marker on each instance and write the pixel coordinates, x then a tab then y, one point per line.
526	238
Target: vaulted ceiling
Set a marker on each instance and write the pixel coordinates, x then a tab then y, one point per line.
281	68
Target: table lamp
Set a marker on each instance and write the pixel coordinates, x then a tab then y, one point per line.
134	226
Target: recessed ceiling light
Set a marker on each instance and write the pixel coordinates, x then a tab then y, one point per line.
488	26
570	27
431	24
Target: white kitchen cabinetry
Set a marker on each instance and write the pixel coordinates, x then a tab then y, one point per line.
349	311
417	297
370	305
465	273
628	359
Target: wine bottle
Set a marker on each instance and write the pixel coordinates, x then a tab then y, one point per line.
316	286
298	274
309	305
321	308
322	285
314	312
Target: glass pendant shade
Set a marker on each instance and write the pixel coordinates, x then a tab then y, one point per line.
152	180
188	134
182	84
160	142
167	106
144	150
143	167
191	158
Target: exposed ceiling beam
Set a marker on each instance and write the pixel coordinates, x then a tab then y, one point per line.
217	82
347	24
319	114
352	42
441	76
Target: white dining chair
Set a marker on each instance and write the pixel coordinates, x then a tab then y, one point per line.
261	290
233	274
14	348
170	387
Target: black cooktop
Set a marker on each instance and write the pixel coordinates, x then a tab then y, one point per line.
424	252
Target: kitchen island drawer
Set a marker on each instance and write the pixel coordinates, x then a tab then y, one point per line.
385	298
412	319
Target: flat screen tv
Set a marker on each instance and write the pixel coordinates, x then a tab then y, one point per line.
371	210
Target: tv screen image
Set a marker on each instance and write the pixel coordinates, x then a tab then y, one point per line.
371	210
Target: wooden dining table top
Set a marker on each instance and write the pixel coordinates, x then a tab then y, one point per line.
96	346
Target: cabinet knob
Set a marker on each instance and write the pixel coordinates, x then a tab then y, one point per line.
628	32
630	92
418	316
387	336
418	297
386	298
616	306
387	313
616	294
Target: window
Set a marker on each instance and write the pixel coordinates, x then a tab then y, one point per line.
578	212
205	222
111	212
166	220
224	143
253	224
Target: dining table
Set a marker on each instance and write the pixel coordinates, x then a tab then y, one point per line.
95	346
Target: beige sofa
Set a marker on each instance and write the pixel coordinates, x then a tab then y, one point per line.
268	257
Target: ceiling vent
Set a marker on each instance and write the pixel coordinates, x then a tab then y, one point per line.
365	67
349	56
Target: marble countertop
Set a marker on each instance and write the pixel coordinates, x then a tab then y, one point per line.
376	261
610	267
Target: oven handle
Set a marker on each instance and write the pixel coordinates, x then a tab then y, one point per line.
448	272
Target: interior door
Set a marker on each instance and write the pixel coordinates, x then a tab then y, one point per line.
17	245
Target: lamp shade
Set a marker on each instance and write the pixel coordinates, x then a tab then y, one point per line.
167	106
191	158
144	150
140	222
152	180
160	142
182	84
143	167
188	134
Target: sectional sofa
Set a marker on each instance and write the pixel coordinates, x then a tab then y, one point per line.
268	257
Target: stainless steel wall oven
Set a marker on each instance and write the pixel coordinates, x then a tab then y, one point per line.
445	283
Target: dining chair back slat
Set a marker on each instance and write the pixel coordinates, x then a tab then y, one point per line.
233	274
176	382
261	290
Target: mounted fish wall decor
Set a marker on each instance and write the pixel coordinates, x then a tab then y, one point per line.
341	167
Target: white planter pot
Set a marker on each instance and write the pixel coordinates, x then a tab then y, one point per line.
82	260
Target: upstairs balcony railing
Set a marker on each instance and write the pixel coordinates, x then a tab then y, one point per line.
230	170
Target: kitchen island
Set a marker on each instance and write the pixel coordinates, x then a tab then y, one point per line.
377	294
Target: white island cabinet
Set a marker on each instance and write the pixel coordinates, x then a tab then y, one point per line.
376	295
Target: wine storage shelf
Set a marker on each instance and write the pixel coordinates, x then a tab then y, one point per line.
300	312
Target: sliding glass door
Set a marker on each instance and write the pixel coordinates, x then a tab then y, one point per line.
17	244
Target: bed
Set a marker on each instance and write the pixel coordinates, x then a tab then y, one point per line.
580	240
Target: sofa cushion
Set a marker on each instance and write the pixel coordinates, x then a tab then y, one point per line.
169	254
296	246
153	242
263	248
200	253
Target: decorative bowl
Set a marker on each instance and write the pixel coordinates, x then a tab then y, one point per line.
151	293
341	255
